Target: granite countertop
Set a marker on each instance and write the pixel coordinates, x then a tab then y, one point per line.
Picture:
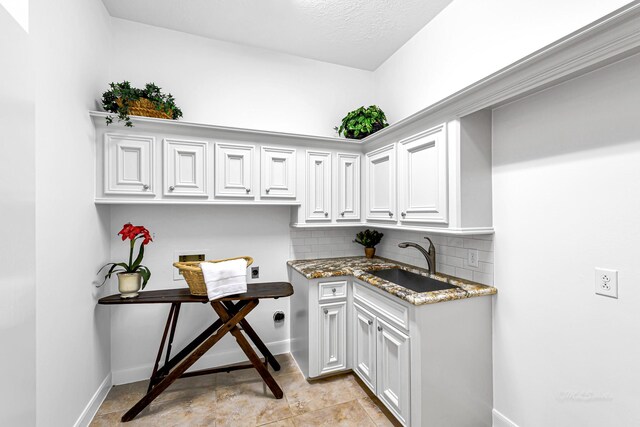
359	266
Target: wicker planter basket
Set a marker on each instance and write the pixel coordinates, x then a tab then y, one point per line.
144	107
192	273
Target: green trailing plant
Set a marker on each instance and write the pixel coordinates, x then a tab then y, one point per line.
362	122
368	238
119	98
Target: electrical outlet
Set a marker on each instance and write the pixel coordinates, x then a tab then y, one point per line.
607	282
472	258
255	272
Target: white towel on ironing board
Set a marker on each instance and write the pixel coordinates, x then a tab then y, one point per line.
225	278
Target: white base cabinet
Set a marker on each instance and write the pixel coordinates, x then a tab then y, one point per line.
381	348
332	330
364	345
320	337
430	365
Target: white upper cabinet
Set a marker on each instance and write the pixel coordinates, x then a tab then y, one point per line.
128	164
318	197
348	186
381	184
278	166
185	168
422	177
234	170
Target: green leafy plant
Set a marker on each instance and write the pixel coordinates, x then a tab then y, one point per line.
119	99
132	233
362	122
368	238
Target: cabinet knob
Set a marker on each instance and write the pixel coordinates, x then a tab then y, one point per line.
370	322
145	186
379	328
326	311
326	214
172	188
403	214
342	213
248	190
267	190
390	214
333	290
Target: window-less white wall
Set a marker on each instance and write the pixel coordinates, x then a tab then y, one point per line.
17	226
232	85
472	39
261	232
566	200
70	39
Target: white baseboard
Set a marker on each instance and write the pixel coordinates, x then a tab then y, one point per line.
500	420
94	403
212	359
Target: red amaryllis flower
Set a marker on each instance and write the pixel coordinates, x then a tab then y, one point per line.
132	232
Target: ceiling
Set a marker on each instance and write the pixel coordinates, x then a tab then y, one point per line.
355	33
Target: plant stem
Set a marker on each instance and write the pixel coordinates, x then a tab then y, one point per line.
133	241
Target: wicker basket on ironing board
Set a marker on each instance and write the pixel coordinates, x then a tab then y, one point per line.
192	273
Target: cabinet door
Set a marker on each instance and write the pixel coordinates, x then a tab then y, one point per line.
333	337
422	186
381	184
318	199
348	186
234	170
128	164
393	381
278	172
185	168
364	346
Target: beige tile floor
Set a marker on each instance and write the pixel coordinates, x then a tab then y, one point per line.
240	398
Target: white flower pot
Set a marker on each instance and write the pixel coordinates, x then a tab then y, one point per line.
129	284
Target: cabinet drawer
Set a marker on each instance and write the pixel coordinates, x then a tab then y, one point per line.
332	290
394	312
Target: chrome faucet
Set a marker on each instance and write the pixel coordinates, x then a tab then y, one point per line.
430	254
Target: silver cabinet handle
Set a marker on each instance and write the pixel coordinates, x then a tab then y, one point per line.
267	190
248	190
333	290
370	322
326	214
403	214
342	213
145	186
390	214
172	188
326	311
379	328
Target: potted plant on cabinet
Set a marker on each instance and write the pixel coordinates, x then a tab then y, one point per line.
124	100
132	276
369	239
362	122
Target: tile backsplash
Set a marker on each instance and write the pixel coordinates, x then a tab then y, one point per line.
451	251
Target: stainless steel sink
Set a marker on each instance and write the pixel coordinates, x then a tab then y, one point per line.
415	282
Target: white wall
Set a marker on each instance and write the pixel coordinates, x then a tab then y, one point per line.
232	85
566	199
471	39
17	226
261	232
71	44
